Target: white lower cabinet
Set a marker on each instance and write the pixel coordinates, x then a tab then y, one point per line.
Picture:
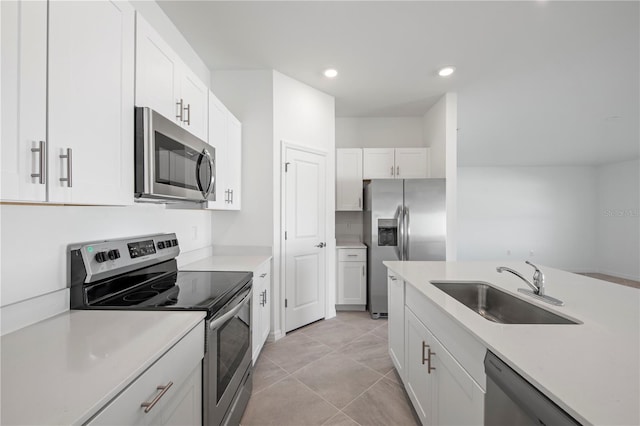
261	306
441	390
167	393
395	287
352	278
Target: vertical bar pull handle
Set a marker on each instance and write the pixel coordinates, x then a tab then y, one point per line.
397	170
41	175
69	178
180	113
363	270
424	347
359	202
429	367
391	170
187	109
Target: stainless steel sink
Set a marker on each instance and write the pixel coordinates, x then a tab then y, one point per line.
498	306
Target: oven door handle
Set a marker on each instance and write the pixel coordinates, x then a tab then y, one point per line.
224	318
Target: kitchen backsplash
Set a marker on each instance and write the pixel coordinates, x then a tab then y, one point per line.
349	226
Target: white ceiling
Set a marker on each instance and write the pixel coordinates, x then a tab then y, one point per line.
538	82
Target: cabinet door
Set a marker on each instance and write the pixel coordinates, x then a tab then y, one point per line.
349	179
418	380
452	383
395	288
412	163
90	102
378	163
194	94
266	304
185	408
218	139
234	161
157	73
352	288
24	96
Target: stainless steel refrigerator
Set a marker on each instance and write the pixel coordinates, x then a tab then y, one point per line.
403	220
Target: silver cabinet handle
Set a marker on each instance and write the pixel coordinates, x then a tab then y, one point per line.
231	195
352	255
188	119
427	359
397	170
149	405
69	178
263	275
363	270
392	277
391	170
359	202
180	106
41	175
265	297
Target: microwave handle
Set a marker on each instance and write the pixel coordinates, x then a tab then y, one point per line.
206	192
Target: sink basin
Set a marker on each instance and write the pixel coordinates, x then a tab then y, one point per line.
498	306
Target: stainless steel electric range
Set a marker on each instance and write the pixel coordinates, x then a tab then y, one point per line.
141	273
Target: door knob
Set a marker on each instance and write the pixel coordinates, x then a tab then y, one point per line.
320	245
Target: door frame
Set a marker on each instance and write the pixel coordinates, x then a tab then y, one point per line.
329	294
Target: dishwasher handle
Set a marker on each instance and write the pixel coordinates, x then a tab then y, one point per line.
528	399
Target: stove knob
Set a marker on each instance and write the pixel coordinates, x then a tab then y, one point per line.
101	256
114	254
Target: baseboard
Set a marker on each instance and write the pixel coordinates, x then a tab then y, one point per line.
275	335
341	308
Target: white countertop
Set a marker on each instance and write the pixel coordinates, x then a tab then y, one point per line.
227	263
591	370
349	244
64	369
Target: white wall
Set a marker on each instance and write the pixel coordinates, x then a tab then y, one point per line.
618	219
34	241
165	27
516	210
378	132
434	129
305	116
249	96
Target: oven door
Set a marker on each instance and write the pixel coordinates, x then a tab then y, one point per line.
171	163
227	359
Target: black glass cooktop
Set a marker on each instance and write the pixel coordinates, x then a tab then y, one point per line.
163	287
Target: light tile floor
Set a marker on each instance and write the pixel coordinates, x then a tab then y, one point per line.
332	372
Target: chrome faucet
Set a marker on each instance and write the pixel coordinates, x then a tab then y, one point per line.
537	287
538	278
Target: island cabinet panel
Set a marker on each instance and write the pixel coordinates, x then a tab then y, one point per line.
442	392
396	321
169	392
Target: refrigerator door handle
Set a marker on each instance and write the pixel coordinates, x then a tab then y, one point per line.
398	218
405	239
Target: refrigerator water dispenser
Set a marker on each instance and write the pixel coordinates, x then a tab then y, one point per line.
387	232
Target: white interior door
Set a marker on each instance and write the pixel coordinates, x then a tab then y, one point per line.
305	243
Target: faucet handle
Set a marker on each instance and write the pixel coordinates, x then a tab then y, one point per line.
538	276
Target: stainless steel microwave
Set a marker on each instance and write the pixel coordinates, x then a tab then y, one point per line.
171	164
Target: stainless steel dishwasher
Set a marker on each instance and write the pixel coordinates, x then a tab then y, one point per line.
512	401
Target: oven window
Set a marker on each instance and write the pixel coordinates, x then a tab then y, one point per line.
176	164
234	339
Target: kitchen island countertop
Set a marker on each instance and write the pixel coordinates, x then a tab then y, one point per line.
591	370
63	370
227	263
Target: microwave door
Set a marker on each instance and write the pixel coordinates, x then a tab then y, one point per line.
205	174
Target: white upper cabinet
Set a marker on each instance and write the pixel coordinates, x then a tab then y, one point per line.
90	102
395	163
24	100
349	179
412	163
165	84
225	135
378	163
70	77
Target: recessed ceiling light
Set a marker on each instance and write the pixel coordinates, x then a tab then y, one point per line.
330	73
446	71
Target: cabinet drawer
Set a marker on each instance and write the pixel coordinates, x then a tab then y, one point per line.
175	367
352	255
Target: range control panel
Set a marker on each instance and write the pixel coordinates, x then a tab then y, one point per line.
103	259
